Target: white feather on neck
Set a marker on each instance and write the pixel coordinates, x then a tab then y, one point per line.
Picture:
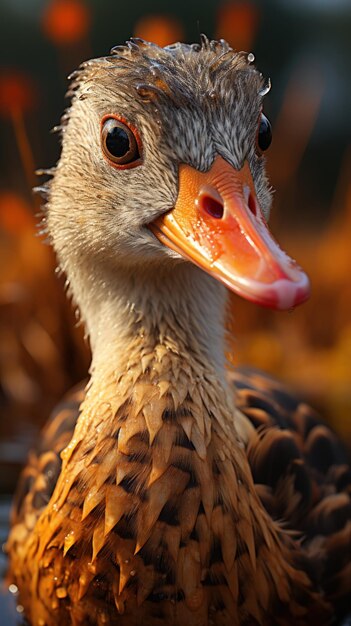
176	304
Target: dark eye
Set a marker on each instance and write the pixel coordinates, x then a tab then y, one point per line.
119	143
264	135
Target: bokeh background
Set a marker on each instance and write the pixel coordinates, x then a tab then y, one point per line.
304	46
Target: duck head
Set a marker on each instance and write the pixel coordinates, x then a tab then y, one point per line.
162	163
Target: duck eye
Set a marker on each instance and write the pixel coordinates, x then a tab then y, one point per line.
264	134
119	143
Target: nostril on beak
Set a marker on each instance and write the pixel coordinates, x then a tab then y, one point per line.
252	204
213	207
250	199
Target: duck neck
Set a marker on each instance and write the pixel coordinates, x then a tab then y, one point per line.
181	310
158	371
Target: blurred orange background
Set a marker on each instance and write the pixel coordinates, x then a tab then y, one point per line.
303	46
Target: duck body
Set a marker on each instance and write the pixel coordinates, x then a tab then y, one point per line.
162	493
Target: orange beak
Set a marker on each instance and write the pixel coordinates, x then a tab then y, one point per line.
217	224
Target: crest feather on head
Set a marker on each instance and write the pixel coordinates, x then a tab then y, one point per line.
177	72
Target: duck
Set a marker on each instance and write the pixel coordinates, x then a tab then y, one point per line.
171	487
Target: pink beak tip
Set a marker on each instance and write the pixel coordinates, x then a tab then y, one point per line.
287	294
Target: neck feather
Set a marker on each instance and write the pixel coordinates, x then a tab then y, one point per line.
180	308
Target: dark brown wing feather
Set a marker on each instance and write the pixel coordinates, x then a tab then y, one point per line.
303	478
38	479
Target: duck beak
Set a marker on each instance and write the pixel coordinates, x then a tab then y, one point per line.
217	223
